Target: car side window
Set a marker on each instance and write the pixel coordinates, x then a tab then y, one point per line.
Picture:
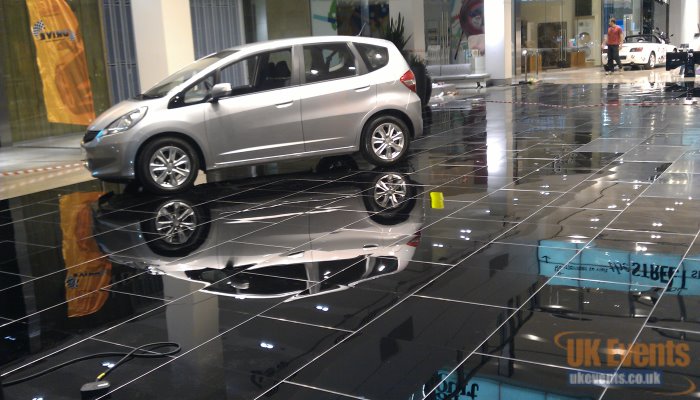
264	71
198	92
328	61
375	57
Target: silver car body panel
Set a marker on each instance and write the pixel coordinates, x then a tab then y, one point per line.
312	119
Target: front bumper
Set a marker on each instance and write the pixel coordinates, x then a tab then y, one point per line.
111	158
629	59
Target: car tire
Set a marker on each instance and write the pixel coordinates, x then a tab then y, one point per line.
167	165
651	63
385	140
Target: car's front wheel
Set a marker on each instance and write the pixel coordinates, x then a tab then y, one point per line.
167	165
385	140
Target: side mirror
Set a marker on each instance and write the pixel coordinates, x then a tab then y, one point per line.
219	90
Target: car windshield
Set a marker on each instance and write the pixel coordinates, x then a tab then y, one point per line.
163	87
639	39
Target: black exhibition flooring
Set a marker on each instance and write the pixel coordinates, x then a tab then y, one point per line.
539	243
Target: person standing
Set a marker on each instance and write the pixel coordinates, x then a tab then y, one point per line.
614	39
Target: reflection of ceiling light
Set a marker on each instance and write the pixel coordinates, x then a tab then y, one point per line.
612	206
533	337
555	306
108	364
595	219
266	345
586	302
641	248
438	245
464	237
321	307
670	209
381	268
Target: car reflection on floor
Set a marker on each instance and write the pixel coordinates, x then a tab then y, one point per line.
320	237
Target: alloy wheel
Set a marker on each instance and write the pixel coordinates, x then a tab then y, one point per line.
170	167
390	190
388	141
177	221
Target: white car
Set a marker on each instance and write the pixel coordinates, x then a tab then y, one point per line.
646	51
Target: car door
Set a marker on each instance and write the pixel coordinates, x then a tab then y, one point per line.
336	96
261	118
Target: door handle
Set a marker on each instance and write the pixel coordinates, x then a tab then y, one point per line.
296	254
284	105
362	89
370	247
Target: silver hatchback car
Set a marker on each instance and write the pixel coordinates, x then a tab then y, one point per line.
260	103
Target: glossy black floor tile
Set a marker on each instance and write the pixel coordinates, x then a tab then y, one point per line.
515	232
378	367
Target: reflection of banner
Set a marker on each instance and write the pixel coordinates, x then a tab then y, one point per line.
60	55
78	249
618	269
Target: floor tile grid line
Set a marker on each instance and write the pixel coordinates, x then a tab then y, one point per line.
325	390
9	322
137	245
136	317
291	321
654	326
131	319
67	301
260	314
408	296
537	363
125	346
646	320
218	336
541	287
534	294
423	296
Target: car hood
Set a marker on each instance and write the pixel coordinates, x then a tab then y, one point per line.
116	111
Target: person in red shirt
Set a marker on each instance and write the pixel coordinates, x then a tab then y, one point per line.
613	41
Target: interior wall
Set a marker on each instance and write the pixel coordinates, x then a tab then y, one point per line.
288	18
413	21
20	74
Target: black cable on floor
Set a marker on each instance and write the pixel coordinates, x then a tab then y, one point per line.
145	351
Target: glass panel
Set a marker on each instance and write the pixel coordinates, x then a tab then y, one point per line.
328	61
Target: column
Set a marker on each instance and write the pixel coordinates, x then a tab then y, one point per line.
163	37
498	24
414	22
683	19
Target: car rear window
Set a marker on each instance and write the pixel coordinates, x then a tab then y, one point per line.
374	56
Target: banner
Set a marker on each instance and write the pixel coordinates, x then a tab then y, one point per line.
60	55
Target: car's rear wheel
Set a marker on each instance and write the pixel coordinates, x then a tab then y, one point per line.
651	63
167	165
385	140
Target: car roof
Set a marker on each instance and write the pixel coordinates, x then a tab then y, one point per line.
271	44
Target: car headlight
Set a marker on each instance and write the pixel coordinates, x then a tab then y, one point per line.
126	121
